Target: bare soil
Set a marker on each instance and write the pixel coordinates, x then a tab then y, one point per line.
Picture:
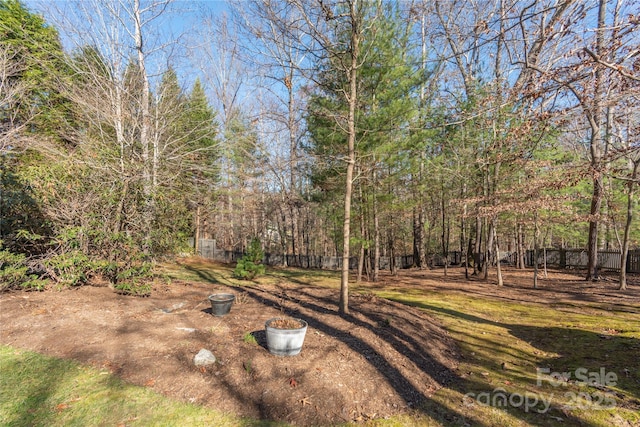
383	359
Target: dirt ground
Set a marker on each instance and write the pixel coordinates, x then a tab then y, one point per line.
382	359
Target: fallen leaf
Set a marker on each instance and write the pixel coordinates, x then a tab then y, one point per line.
61	407
305	401
293	382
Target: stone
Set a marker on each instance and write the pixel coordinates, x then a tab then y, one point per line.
204	358
173	308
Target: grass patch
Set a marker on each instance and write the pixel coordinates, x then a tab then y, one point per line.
43	391
249	338
523	350
202	270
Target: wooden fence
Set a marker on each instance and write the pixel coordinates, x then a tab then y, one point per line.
559	258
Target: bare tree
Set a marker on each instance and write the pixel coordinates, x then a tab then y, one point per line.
632	184
273	48
579	68
12	92
216	52
118	55
629	152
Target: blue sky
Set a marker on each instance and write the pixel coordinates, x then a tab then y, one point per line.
180	20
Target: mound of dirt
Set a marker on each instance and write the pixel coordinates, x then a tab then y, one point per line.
384	358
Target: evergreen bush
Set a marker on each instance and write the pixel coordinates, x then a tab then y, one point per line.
250	265
14	272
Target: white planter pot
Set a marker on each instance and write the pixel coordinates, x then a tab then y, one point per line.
285	342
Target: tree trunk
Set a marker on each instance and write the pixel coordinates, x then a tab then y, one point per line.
362	238
520	261
487	249
360	262
392	254
477	248
117	226
291	194
418	234
419	257
119	125
624	253
494	227
293	220
376	239
536	234
445	235
147	182
464	254
463	248
283	231
343	307
595	123
196	234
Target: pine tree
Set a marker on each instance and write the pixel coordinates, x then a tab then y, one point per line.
36	50
385	85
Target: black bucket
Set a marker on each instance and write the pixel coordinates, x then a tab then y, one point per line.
221	303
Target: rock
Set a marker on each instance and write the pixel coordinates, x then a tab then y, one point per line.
173	308
204	358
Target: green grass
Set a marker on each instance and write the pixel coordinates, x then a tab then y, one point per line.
502	344
192	269
37	390
249	338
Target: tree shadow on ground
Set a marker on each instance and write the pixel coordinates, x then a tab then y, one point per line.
314	309
204	274
566	289
38	390
390	331
601	367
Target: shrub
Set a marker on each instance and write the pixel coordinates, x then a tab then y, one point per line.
250	265
135	280
137	289
69	269
14	273
74	257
